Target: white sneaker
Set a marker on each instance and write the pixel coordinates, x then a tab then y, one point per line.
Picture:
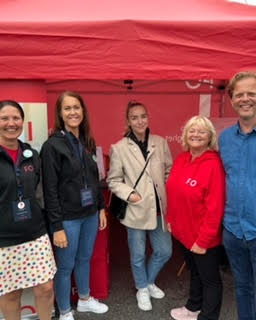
184	313
143	299
91	305
155	292
66	316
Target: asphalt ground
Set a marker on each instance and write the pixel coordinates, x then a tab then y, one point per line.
122	300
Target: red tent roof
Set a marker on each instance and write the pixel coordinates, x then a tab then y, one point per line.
110	39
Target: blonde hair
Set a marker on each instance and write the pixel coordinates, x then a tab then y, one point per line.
203	123
237	77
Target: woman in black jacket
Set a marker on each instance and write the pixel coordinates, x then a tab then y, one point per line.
26	258
73	201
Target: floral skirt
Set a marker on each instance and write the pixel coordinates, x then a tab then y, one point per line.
26	265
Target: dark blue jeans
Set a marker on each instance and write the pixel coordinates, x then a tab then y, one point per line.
242	258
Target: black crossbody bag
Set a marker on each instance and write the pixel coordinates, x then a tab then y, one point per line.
118	206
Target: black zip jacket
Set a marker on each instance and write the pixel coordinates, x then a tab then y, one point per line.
11	232
63	179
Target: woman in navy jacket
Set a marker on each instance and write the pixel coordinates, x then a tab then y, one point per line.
26	258
73	200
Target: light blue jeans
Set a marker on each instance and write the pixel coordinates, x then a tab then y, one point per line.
81	235
145	272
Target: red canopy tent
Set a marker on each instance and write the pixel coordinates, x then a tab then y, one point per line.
53	45
109	39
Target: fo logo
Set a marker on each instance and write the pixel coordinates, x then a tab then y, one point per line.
29	168
191	182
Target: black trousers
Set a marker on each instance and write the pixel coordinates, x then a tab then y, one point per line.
205	292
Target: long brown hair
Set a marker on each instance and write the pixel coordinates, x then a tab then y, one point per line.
84	128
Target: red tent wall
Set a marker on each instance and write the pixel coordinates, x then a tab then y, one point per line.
170	104
23	90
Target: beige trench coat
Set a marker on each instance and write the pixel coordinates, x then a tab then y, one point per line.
126	164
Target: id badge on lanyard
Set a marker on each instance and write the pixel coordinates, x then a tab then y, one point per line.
86	193
21	210
86	197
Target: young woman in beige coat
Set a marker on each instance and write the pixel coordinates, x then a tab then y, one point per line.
147	204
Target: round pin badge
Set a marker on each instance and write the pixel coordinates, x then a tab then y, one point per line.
21	205
27	153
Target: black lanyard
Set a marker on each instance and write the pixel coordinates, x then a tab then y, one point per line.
78	150
77	147
20	187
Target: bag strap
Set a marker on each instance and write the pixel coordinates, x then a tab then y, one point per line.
141	174
136	183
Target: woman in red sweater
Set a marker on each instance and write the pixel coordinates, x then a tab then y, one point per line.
196	196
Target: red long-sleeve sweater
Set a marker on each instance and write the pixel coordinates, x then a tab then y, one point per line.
196	197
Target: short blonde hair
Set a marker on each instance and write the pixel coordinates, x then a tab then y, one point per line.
237	77
203	123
